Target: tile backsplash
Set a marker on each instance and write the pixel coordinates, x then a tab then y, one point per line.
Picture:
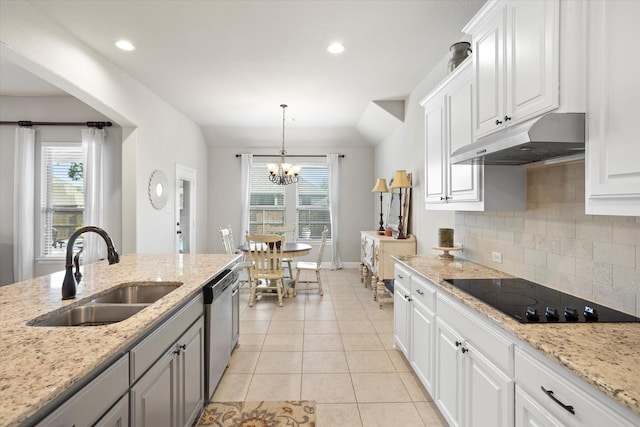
554	243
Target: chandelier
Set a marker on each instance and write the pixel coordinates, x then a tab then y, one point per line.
283	173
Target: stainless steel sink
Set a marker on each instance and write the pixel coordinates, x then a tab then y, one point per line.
91	315
136	293
114	306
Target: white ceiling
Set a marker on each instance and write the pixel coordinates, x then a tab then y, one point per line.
232	63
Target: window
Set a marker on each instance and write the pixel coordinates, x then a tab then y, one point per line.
266	206
61	196
313	202
272	204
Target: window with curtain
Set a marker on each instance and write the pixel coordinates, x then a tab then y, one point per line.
266	203
313	202
307	201
61	196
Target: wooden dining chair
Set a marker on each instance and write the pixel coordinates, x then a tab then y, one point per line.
226	236
265	256
289	234
312	266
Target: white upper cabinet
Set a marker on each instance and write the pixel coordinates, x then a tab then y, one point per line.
613	134
448	127
516	68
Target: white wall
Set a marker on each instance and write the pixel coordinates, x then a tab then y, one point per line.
155	135
63	109
404	149
357	201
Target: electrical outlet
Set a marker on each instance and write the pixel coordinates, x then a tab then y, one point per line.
496	257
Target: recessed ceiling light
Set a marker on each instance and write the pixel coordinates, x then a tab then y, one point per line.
335	48
125	45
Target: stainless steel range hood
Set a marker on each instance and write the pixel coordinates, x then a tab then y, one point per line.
549	136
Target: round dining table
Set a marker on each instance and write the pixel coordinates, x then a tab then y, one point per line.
289	250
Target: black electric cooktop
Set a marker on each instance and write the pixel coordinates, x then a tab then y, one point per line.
529	302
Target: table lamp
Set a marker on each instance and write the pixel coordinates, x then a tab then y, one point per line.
381	187
400	181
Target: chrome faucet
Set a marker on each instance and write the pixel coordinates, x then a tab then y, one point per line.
71	280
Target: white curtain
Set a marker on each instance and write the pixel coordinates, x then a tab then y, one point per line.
92	146
334	198
23	204
246	163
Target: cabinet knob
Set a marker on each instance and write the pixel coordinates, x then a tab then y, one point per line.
498	122
183	346
458	343
464	350
507	118
177	352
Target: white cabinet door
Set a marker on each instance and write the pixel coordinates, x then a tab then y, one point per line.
488	63
435	167
422	343
532	59
448	381
401	327
463	180
530	414
154	398
613	145
191	345
488	393
516	49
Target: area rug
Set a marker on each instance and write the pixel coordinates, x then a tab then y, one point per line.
296	413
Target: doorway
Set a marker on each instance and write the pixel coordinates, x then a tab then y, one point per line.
185	219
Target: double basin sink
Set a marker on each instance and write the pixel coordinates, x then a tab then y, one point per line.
113	306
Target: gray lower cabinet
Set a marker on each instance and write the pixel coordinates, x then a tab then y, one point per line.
118	415
89	404
171	392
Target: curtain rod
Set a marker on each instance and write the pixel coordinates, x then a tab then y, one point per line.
28	123
291	155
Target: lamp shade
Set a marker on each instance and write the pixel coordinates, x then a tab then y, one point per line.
381	186
401	180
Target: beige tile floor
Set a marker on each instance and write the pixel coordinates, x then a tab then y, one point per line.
336	349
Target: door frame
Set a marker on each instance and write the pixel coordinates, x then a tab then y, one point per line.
185	173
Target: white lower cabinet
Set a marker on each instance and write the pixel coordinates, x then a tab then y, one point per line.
171	393
422	327
550	395
414	322
401	304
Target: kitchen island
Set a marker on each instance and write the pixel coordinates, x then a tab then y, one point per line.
40	365
604	355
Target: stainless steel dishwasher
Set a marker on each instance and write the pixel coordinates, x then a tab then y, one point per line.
218	316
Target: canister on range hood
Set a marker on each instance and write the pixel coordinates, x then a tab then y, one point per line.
550	136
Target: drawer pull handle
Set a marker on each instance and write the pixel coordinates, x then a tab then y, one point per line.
400	276
550	394
419	291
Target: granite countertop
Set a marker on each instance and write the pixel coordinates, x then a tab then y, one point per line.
606	355
37	364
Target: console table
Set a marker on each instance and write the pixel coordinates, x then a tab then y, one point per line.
376	263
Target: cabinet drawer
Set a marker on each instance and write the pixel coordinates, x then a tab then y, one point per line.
152	347
495	347
403	277
590	407
423	292
86	406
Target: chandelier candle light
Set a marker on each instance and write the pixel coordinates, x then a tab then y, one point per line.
283	173
400	181
381	187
